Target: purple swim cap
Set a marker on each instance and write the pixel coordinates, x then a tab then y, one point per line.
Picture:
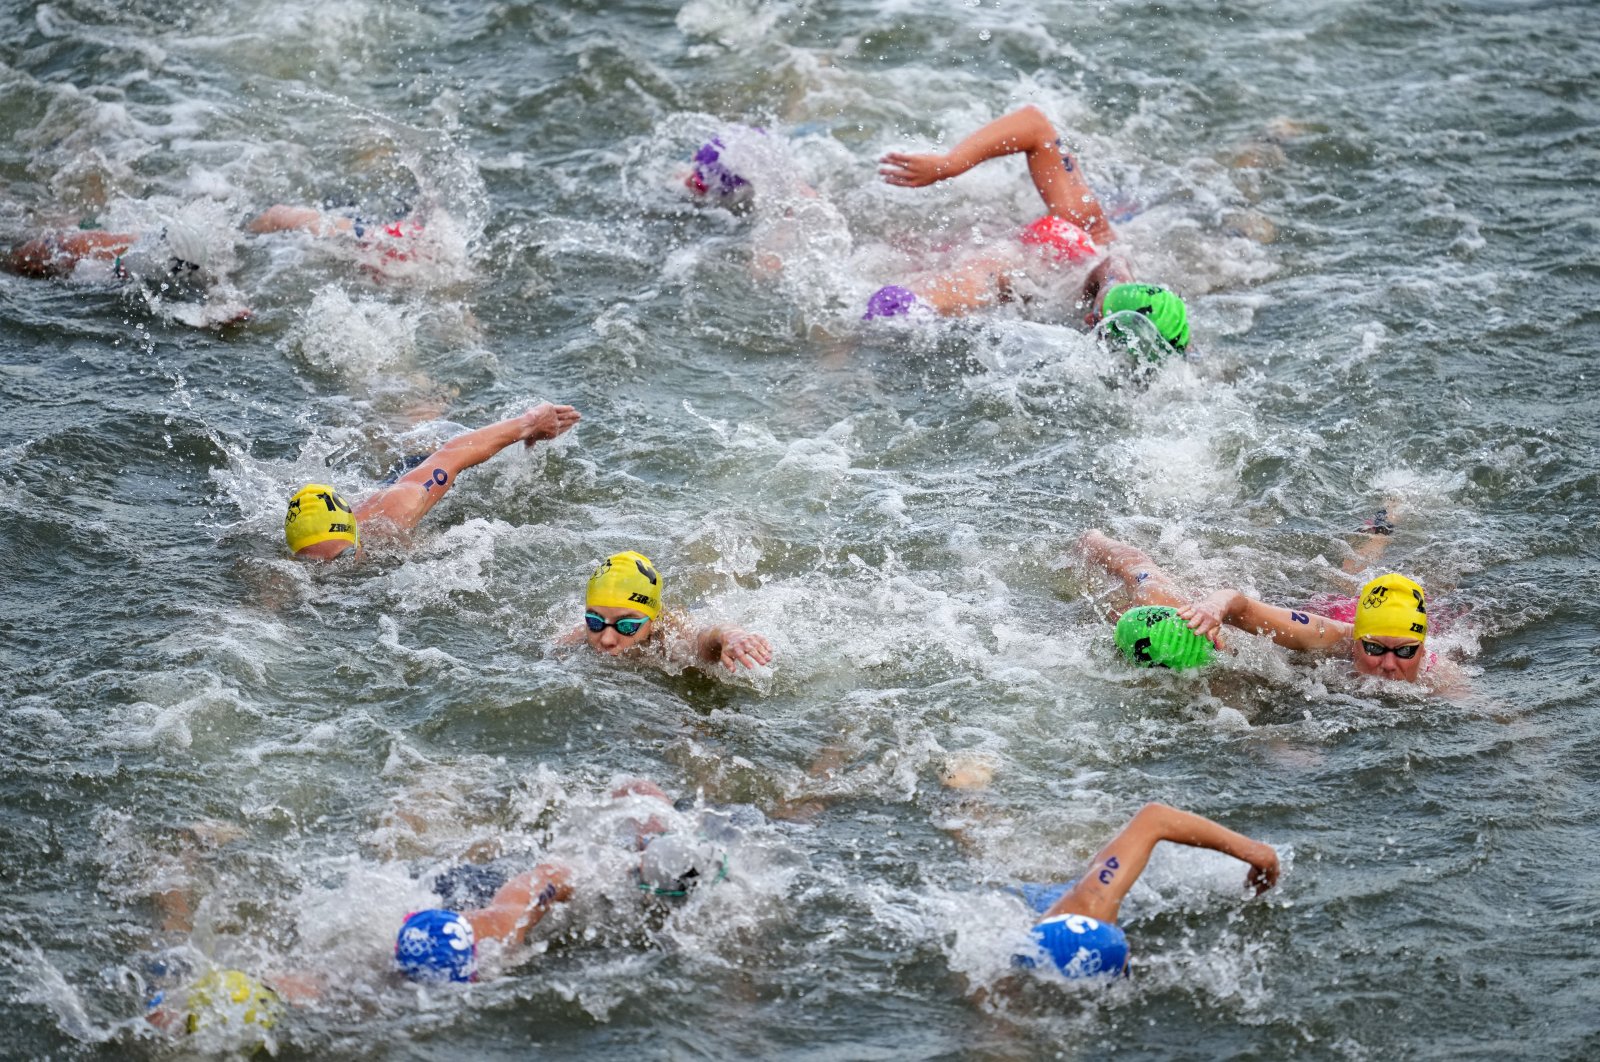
711	176
891	300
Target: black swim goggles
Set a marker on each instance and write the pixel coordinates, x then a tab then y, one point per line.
628	626
1403	652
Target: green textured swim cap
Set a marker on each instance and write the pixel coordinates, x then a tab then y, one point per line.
1160	305
1154	636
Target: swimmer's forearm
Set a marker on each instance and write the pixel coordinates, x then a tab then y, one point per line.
961	291
1184	827
1230	605
1287	627
280	218
708	645
1025	129
520	903
409	499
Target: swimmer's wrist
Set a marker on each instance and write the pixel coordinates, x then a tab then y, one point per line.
1226	602
953	165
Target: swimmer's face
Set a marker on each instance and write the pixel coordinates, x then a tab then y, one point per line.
331	549
1388	665
607	640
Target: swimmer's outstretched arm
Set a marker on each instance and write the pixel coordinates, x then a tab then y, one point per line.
56	254
1374	538
282	218
521	903
1055	172
1100	891
1149	585
731	646
1143	578
1289	628
963	290
404	504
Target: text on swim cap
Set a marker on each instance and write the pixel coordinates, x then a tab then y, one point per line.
332	501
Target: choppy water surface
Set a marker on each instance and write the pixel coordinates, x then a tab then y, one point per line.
1384	218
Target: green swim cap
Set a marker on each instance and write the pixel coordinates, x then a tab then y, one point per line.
1160	305
1154	636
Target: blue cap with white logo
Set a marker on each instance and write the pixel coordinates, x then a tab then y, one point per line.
436	946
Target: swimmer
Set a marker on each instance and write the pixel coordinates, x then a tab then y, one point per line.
1078	932
712	177
680	845
57	254
722	170
623	614
1384	632
1075	229
220	1000
174	255
438	945
320	525
391	236
173	265
185	991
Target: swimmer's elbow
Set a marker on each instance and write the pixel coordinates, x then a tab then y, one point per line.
1153	814
1038	122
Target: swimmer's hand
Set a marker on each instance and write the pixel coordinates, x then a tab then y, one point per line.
1263	869
917	171
545	421
1206	616
742	647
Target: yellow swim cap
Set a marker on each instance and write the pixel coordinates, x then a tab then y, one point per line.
317	514
1391	606
626	580
231	998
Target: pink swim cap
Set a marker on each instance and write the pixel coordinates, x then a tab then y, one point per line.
1070	243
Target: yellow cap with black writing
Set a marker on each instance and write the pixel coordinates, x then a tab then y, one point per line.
317	514
626	580
1391	606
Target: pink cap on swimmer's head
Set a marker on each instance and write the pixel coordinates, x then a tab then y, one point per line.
1070	243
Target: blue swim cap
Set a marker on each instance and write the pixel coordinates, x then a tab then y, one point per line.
435	946
891	300
1080	946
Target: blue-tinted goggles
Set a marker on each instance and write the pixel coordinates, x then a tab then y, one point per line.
628	626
